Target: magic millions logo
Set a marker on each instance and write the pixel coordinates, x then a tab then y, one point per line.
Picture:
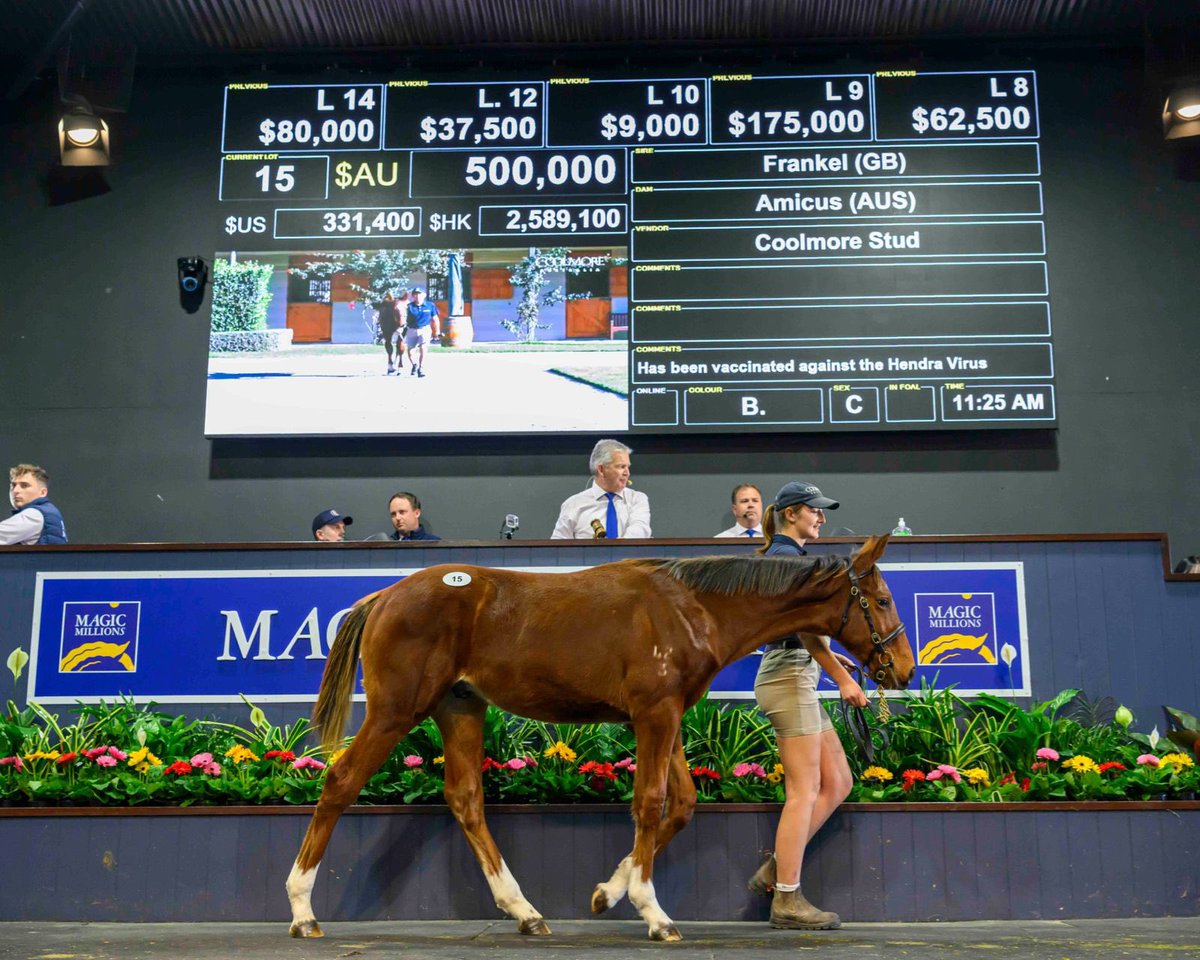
99	637
956	628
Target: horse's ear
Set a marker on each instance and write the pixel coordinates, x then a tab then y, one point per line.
869	553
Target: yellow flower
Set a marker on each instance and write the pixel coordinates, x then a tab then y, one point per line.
562	751
336	756
976	777
1181	761
143	760
1081	764
239	754
777	774
43	755
881	774
441	759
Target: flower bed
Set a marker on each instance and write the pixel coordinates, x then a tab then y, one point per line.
933	747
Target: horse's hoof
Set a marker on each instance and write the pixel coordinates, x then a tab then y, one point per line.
667	934
534	927
599	900
306	930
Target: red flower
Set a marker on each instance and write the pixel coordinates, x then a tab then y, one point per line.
1114	765
702	772
1007	778
1040	765
490	764
588	767
283	756
911	779
1025	784
65	759
181	768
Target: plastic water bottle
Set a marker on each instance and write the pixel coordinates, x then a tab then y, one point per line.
902	529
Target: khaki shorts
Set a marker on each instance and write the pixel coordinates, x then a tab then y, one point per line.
786	690
417	336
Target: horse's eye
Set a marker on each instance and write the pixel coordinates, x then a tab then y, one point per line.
884	601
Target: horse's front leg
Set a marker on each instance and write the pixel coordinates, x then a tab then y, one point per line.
656	734
681	802
461	723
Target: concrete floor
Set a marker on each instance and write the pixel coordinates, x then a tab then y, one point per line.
1162	939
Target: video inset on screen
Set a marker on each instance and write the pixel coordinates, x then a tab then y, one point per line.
418	341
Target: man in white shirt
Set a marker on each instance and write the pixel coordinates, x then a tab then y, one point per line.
747	511
609	508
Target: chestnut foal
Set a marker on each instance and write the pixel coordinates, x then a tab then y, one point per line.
637	641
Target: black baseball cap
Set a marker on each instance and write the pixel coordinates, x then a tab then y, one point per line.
801	491
417	290
329	516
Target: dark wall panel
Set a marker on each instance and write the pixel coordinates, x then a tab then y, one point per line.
898	865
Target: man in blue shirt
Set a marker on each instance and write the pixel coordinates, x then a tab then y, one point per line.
422	325
34	519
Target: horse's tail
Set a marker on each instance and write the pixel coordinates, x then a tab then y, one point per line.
333	702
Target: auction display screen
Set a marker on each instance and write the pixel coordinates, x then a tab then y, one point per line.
699	252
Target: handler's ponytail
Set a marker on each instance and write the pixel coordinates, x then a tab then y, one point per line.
768	527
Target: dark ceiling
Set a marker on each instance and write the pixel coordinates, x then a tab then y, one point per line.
173	34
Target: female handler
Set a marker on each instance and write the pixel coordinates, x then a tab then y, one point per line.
816	775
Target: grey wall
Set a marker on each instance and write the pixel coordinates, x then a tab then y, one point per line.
102	375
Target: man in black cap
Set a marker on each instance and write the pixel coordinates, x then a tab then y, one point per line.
329	526
423	325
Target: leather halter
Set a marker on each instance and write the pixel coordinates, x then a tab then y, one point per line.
881	655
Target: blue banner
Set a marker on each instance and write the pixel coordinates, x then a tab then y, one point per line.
211	636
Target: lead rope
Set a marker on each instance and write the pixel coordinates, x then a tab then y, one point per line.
859	728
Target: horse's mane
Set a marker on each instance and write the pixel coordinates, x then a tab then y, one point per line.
762	576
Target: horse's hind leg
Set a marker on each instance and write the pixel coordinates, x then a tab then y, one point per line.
681	802
461	721
344	781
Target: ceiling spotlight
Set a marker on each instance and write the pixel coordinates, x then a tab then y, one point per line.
1181	112
82	138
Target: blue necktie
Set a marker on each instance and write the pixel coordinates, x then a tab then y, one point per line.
610	519
752	533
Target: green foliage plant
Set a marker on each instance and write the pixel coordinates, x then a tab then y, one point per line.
241	294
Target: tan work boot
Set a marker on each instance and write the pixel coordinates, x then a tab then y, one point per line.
791	911
763	881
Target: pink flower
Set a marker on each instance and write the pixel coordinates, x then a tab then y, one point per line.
951	772
516	763
1040	765
934	775
213	769
412	760
105	761
95	752
118	755
749	769
202	760
626	764
1047	753
12	762
1148	760
308	763
531	761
